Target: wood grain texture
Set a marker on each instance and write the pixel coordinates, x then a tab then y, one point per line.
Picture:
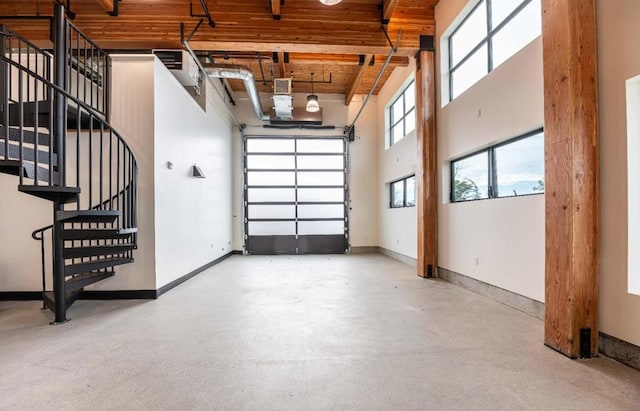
357	82
326	39
571	173
388	7
426	170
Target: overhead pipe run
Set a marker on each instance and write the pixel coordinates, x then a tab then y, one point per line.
350	130
244	73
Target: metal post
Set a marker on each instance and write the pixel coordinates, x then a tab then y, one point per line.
60	66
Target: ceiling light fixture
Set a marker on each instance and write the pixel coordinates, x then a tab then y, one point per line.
312	99
330	2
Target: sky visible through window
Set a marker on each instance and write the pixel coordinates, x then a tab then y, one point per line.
523	28
519	170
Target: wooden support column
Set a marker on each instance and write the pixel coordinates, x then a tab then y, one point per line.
426	187
571	176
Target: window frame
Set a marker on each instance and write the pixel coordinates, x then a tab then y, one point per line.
393	122
492	176
402	180
488	39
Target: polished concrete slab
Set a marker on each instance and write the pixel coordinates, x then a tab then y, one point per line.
358	332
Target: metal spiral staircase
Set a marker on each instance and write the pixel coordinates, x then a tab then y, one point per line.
55	136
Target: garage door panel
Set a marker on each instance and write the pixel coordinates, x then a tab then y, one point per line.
275	195
271	162
286	244
271	178
321	162
321	194
320	227
262	228
321	211
320	145
270	145
272	211
320	178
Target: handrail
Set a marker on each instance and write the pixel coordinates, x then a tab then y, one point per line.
92	111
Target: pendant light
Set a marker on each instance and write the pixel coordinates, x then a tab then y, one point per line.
330	2
312	100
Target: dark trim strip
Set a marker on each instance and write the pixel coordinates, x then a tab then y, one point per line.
119	295
173	284
620	350
20	295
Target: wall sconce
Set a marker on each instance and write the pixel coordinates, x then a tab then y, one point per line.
197	172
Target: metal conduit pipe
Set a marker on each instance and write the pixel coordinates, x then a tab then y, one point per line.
244	73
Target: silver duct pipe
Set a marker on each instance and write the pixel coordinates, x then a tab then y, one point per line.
244	73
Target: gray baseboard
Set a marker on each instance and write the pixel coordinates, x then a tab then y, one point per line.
365	250
517	301
400	257
619	350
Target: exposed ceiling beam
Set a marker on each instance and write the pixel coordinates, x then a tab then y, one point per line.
388	7
355	83
108	5
275	9
282	65
344	59
407	49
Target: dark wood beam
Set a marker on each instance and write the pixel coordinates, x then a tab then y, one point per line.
388	7
282	65
356	82
571	176
426	170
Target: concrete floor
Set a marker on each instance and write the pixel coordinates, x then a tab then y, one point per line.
314	332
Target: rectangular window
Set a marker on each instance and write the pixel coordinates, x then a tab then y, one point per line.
402	120
403	192
509	169
491	33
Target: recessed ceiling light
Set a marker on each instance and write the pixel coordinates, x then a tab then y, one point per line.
330	2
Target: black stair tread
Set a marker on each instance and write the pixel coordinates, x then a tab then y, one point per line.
82	280
88	216
13	167
28	153
50	300
94	265
97	250
28	136
62	194
97	234
43	110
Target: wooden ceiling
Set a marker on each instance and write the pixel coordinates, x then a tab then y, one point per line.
319	39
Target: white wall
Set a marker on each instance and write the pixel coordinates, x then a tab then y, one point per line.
363	214
618	60
506	235
398	226
132	116
192	215
20	214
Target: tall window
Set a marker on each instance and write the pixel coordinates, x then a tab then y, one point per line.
493	31
403	192
509	169
402	114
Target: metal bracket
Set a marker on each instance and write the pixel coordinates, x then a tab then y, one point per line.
206	14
